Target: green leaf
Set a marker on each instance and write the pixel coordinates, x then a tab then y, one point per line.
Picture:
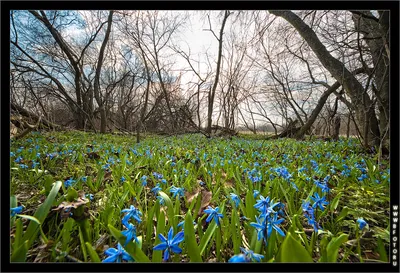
18	235
41	214
20	254
132	247
34	219
333	247
382	251
342	214
92	253
83	246
170	209
292	250
335	202
13	204
190	240
157	255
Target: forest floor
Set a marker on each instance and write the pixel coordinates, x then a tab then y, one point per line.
220	199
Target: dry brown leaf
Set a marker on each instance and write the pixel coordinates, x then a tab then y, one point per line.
190	196
107	175
205	199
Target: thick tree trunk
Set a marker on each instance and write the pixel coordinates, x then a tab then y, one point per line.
353	87
379	49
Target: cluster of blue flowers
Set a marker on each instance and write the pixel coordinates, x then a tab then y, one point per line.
254	175
246	256
267	220
119	254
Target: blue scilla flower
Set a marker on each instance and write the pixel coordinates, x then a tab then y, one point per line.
256	193
18	159
273	223
170	244
129	233
182	224
117	255
69	182
84	178
323	186
251	255
177	191
213	214
157	175
261	227
123	179
362	177
90	196
361	223
132	212
144	180
161	200
239	258
156	189
16	210
12	154
319	201
235	199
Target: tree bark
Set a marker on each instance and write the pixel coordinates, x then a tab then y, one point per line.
353	87
211	93
96	86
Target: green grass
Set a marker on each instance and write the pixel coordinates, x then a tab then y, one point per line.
110	167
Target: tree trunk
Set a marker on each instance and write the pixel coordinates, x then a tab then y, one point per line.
353	87
96	87
211	93
379	49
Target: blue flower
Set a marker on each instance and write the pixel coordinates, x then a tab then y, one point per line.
319	201
117	255
123	179
251	255
170	244
161	200
84	178
91	196
132	212
156	189
273	223
157	175
235	199
323	186
240	258
361	223
144	180
129	233
265	206
256	193
261	227
16	210
262	203
362	177
213	213
18	159
69	182
163	181
182	224
177	191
